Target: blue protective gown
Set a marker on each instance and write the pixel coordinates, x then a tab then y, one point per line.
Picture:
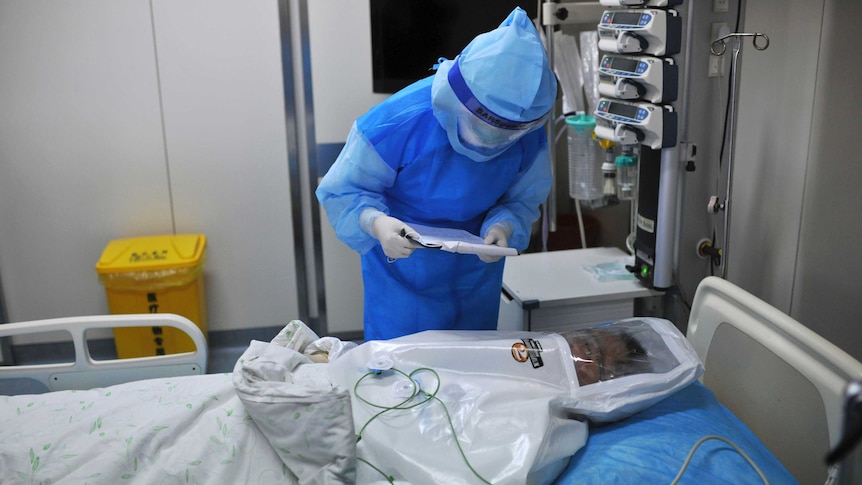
398	160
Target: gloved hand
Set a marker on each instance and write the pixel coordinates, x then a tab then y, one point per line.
392	233
498	236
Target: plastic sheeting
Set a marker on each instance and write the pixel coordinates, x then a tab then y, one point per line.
462	407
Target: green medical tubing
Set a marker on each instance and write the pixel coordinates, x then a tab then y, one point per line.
402	406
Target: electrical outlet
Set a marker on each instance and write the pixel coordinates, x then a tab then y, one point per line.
720	5
716	63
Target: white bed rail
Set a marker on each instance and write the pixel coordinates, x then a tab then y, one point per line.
85	372
779	377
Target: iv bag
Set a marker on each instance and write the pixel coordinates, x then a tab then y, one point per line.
567	66
590	63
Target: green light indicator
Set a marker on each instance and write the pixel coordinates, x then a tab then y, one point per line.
644	271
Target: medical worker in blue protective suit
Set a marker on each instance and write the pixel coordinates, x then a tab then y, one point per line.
464	148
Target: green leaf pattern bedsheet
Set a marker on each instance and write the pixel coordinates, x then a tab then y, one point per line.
185	430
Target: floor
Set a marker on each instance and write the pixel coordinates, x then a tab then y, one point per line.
223	359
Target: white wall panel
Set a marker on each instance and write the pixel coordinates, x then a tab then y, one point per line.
776	99
342	270
827	284
340	38
221	80
81	153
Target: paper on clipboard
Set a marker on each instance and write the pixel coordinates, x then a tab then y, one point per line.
457	241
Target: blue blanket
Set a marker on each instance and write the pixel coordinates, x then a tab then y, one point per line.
651	447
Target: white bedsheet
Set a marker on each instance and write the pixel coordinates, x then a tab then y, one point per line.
275	419
479	410
183	430
305	419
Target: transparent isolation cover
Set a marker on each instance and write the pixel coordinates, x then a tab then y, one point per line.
625	366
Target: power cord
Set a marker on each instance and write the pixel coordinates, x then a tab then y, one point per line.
720	438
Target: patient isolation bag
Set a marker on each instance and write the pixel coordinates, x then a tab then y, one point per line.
500	407
459	407
454	407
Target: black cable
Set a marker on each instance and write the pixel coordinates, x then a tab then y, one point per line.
727	103
852	436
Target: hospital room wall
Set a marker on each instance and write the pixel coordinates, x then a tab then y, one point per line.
827	284
340	44
770	145
125	119
796	175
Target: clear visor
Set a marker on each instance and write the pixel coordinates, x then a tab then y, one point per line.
479	128
483	137
605	353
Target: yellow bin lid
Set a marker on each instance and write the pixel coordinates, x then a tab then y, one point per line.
152	253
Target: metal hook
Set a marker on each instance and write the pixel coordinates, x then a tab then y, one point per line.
722	45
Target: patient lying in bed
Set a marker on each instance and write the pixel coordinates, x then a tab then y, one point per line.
435	407
454	407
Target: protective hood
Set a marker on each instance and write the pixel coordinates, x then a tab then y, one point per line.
498	89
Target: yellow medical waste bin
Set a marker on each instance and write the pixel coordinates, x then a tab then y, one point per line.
155	274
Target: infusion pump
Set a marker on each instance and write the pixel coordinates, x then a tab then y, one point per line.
632	123
640	31
646	78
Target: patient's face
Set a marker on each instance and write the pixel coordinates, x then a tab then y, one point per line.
596	355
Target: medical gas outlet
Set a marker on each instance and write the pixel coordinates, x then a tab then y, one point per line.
643	78
640	31
631	123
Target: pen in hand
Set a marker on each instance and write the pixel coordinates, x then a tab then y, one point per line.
410	237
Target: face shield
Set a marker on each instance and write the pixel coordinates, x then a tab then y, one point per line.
478	128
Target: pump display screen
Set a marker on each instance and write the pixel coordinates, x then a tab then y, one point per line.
627	18
625	110
623	64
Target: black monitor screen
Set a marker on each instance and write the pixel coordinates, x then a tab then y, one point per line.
624	64
626	110
408	36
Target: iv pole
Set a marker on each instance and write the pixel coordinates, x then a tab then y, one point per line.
718	47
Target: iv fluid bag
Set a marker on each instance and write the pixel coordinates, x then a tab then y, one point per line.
590	68
567	66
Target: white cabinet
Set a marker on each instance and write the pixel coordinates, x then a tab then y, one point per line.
552	291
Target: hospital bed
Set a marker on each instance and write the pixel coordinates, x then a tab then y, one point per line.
771	388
